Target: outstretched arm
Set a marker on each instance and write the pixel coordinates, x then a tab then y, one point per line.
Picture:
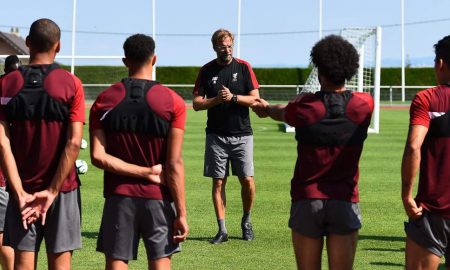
175	182
410	166
263	109
110	163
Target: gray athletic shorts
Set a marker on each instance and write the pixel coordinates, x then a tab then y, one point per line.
431	232
4	197
62	229
125	219
222	150
316	218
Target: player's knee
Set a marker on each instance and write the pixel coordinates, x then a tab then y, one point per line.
246	180
218	186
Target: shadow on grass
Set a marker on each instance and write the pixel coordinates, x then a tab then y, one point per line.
387	264
382	238
90	235
207	239
94	235
386	249
441	266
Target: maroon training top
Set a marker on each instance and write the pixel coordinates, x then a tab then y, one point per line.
329	144
138	148
431	108
37	144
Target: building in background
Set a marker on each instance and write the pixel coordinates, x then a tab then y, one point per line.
12	43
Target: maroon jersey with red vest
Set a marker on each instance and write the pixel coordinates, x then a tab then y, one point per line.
136	116
431	108
38	102
330	130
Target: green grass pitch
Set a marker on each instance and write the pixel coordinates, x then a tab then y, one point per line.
381	240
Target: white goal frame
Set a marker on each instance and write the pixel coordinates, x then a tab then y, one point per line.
367	42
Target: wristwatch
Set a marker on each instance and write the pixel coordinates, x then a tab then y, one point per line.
234	98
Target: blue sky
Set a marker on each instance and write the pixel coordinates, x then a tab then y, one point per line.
184	27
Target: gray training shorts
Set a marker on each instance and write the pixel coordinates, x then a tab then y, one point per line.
316	218
4	197
62	229
220	151
431	232
125	219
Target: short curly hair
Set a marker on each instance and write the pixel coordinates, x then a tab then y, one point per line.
335	58
442	49
139	48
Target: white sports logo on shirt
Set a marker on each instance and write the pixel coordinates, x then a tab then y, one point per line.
433	115
4	100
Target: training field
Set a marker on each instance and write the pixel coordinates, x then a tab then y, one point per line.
381	240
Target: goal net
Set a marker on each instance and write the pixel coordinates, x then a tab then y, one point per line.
367	42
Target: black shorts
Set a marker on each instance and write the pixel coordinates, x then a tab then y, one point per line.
316	218
432	232
125	219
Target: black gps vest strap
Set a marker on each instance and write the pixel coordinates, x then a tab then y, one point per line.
33	101
440	125
133	114
335	128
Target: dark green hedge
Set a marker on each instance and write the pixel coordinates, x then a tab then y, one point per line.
187	75
413	76
177	75
99	74
282	75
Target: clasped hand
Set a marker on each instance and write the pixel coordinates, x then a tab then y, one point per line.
34	207
225	94
157	175
260	107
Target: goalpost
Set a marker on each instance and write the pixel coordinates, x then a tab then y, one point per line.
367	42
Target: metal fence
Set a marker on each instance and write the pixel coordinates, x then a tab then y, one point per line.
268	92
388	94
393	94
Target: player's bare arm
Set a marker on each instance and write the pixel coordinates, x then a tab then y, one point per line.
410	166
200	103
263	109
8	162
276	112
260	107
110	163
9	167
175	182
